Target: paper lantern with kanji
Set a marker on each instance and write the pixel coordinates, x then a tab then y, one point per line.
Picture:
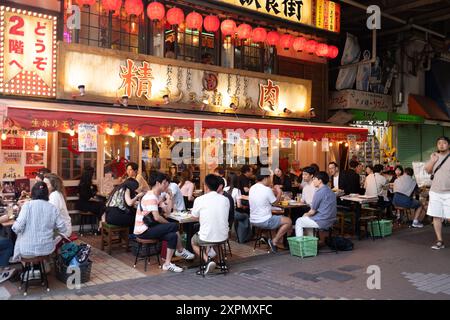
156	11
272	38
322	50
175	16
286	41
333	52
134	7
259	35
228	27
244	31
211	23
194	21
299	44
86	2
311	46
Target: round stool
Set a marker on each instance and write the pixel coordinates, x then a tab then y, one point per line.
26	269
146	244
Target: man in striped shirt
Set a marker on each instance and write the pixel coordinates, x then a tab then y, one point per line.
156	226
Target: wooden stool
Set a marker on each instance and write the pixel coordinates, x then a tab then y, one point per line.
113	235
402	215
86	217
317	233
146	244
341	221
29	263
259	237
221	248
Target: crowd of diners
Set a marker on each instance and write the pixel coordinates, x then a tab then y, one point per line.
241	200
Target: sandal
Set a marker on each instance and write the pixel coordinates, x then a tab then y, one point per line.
439	245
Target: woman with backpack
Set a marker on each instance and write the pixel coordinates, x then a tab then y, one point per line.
120	207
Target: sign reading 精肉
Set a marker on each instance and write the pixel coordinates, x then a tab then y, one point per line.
28	47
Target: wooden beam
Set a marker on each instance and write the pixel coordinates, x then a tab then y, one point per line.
410	5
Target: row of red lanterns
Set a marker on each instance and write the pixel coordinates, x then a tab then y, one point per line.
211	23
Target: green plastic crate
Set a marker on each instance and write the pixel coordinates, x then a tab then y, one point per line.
385	226
303	246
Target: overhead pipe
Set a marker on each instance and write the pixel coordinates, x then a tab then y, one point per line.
393	18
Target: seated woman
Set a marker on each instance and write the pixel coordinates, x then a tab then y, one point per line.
187	188
241	218
404	187
6	251
284	181
57	198
87	192
35	225
120	210
151	224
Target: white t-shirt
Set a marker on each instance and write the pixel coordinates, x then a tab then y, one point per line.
405	184
336	182
308	193
178	201
375	186
212	210
236	194
187	190
260	199
57	199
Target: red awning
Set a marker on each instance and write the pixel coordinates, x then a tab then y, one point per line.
426	107
57	117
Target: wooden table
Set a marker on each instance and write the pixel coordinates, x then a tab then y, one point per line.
359	200
290	206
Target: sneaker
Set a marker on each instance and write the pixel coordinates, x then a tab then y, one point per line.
172	267
210	266
438	245
185	254
5	275
212	253
273	247
417	225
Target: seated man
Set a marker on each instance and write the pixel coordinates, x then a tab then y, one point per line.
261	198
212	211
323	208
175	193
308	192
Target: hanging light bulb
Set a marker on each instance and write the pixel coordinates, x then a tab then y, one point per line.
36	147
315	144
133	134
71	132
346	144
3	136
295	142
331	144
172	139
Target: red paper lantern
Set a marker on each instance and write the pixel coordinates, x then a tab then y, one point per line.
228	27
259	35
175	16
244	31
211	23
194	21
86	2
272	38
112	5
299	44
156	11
311	46
333	52
286	41
322	50
134	7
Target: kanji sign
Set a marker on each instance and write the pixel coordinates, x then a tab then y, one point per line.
268	96
136	79
27	53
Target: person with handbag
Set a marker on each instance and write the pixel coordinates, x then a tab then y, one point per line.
150	222
439	205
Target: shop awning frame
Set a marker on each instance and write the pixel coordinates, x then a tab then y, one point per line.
147	122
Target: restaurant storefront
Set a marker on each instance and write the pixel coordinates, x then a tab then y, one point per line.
101	107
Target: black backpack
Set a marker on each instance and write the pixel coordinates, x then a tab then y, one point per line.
342	244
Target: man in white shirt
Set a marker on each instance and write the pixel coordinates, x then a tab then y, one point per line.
212	210
309	189
261	199
177	196
377	186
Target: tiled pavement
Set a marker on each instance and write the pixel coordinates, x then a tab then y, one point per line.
409	270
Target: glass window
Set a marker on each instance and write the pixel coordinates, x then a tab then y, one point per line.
70	161
118	151
249	55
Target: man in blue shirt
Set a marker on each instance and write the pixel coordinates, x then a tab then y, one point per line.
323	208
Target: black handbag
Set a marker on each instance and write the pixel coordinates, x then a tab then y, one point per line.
148	219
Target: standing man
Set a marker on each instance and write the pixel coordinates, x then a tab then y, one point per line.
261	198
353	181
439	206
219	171
245	181
323	208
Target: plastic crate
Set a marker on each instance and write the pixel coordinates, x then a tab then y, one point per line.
62	275
303	246
385	226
